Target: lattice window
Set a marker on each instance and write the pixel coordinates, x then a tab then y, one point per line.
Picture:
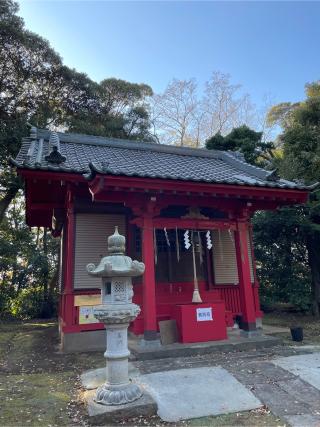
119	291
119	287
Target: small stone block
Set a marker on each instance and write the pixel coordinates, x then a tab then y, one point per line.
102	415
250	334
168	332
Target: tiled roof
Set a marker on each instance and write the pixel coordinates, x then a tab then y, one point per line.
86	154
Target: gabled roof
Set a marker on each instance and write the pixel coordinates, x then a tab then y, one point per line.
87	155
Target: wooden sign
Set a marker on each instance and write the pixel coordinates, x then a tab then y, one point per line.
80	300
86	315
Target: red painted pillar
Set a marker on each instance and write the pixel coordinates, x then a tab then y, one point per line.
70	244
69	247
256	285
246	291
149	285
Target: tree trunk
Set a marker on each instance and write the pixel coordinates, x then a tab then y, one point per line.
54	281
313	246
45	251
10	194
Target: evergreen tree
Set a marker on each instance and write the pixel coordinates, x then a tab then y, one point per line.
247	141
301	160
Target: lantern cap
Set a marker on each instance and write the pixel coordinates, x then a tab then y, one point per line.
116	243
116	263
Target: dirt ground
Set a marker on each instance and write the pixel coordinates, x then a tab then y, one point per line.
39	386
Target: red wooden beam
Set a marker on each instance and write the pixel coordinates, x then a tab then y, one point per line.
291	195
49	175
198	187
186	223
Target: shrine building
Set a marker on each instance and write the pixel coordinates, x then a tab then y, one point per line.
185	213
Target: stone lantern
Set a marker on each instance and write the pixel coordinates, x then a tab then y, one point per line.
116	312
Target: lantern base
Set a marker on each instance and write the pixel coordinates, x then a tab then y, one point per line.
110	394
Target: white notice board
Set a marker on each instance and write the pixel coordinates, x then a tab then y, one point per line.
86	315
204	314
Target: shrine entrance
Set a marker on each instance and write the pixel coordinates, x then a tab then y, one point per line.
195	268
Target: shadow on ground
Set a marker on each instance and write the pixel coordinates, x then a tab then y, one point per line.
39	386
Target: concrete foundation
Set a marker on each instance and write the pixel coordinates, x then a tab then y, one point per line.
235	342
95	341
83	341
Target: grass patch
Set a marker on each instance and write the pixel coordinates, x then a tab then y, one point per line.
310	325
35	399
256	418
38	384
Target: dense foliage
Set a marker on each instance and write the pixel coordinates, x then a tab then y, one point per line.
245	140
286	241
28	273
36	88
281	258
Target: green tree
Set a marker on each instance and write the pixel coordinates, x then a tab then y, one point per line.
247	141
281	257
280	237
35	87
28	260
120	111
300	140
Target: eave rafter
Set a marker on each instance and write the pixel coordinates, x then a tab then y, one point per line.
137	193
102	187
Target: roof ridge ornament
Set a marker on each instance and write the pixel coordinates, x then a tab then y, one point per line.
95	167
273	176
55	156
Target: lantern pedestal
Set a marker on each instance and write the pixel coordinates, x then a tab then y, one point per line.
118	390
116	312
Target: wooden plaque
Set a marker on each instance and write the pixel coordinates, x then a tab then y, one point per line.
81	300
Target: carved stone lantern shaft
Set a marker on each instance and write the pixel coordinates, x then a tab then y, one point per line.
116	312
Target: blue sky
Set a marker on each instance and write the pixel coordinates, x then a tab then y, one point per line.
268	47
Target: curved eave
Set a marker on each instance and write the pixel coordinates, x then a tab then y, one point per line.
102	184
96	170
51	172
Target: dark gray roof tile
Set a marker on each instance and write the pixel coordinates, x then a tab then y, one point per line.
140	159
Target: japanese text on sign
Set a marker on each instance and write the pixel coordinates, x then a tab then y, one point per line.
204	314
86	315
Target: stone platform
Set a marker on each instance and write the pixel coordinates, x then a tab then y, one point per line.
144	350
107	415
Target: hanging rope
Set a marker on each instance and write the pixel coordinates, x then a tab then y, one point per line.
155	249
166	236
220	245
196	298
200	249
177	245
231	237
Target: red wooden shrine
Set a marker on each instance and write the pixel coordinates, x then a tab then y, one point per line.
56	195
